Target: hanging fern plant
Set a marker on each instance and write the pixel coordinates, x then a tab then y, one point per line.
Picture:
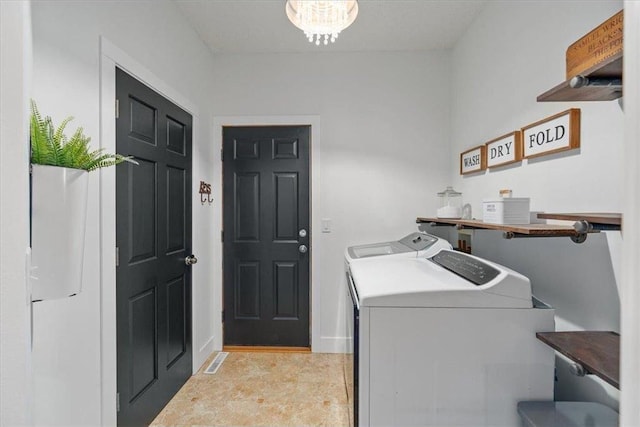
50	146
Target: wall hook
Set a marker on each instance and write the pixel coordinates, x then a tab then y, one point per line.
205	193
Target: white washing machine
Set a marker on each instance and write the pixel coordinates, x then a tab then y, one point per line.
414	245
445	340
410	246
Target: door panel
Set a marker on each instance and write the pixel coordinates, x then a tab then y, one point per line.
247	291
176	315
286	206
247	203
246	149
143	121
153	234
285	149
176	136
266	203
142	210
286	290
176	199
142	340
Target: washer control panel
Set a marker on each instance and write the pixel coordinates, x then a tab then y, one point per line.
465	266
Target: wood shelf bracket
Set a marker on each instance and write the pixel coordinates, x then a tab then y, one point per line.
579	237
584	226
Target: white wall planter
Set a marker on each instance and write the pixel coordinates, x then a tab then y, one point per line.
58	221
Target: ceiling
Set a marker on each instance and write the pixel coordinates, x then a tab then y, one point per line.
257	26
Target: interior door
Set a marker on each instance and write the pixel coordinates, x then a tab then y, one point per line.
153	236
266	235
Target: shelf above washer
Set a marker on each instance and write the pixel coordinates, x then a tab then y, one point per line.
511	230
599	221
611	67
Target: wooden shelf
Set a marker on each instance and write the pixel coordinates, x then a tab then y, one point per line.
611	67
530	230
597	351
599	218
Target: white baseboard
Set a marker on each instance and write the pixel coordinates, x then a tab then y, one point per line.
331	345
325	345
202	354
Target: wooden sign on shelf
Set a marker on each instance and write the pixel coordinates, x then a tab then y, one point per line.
473	160
504	150
601	43
559	132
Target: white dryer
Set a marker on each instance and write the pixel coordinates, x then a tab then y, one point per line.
445	340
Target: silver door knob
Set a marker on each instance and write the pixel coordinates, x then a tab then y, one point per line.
302	233
303	249
190	260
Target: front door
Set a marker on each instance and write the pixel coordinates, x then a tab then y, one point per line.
266	235
153	236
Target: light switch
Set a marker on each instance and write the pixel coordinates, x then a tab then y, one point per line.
326	225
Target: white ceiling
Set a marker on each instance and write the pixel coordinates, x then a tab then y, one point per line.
235	26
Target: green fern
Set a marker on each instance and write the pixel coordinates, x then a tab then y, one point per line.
50	146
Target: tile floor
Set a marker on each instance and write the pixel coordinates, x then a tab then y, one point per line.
263	389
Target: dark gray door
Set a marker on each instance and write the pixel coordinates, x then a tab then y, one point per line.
153	236
266	235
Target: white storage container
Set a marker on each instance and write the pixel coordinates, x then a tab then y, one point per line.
450	204
512	210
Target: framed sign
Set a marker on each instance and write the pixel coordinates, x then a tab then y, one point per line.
473	160
559	132
504	150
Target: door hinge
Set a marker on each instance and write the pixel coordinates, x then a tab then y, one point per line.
117	108
117	402
222	236
222	316
117	256
221	155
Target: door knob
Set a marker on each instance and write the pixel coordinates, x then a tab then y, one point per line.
303	249
190	260
302	233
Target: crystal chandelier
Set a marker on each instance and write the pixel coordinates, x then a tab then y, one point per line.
322	20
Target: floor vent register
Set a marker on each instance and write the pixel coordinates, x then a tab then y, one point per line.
217	361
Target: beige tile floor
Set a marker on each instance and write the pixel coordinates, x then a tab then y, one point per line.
263	389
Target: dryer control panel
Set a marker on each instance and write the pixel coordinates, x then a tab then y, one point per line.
465	266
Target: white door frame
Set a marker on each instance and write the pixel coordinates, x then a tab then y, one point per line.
110	57
311	120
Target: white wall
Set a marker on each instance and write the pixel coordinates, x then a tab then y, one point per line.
15	307
513	52
67	354
380	157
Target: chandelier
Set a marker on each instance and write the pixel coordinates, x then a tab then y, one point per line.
322	20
